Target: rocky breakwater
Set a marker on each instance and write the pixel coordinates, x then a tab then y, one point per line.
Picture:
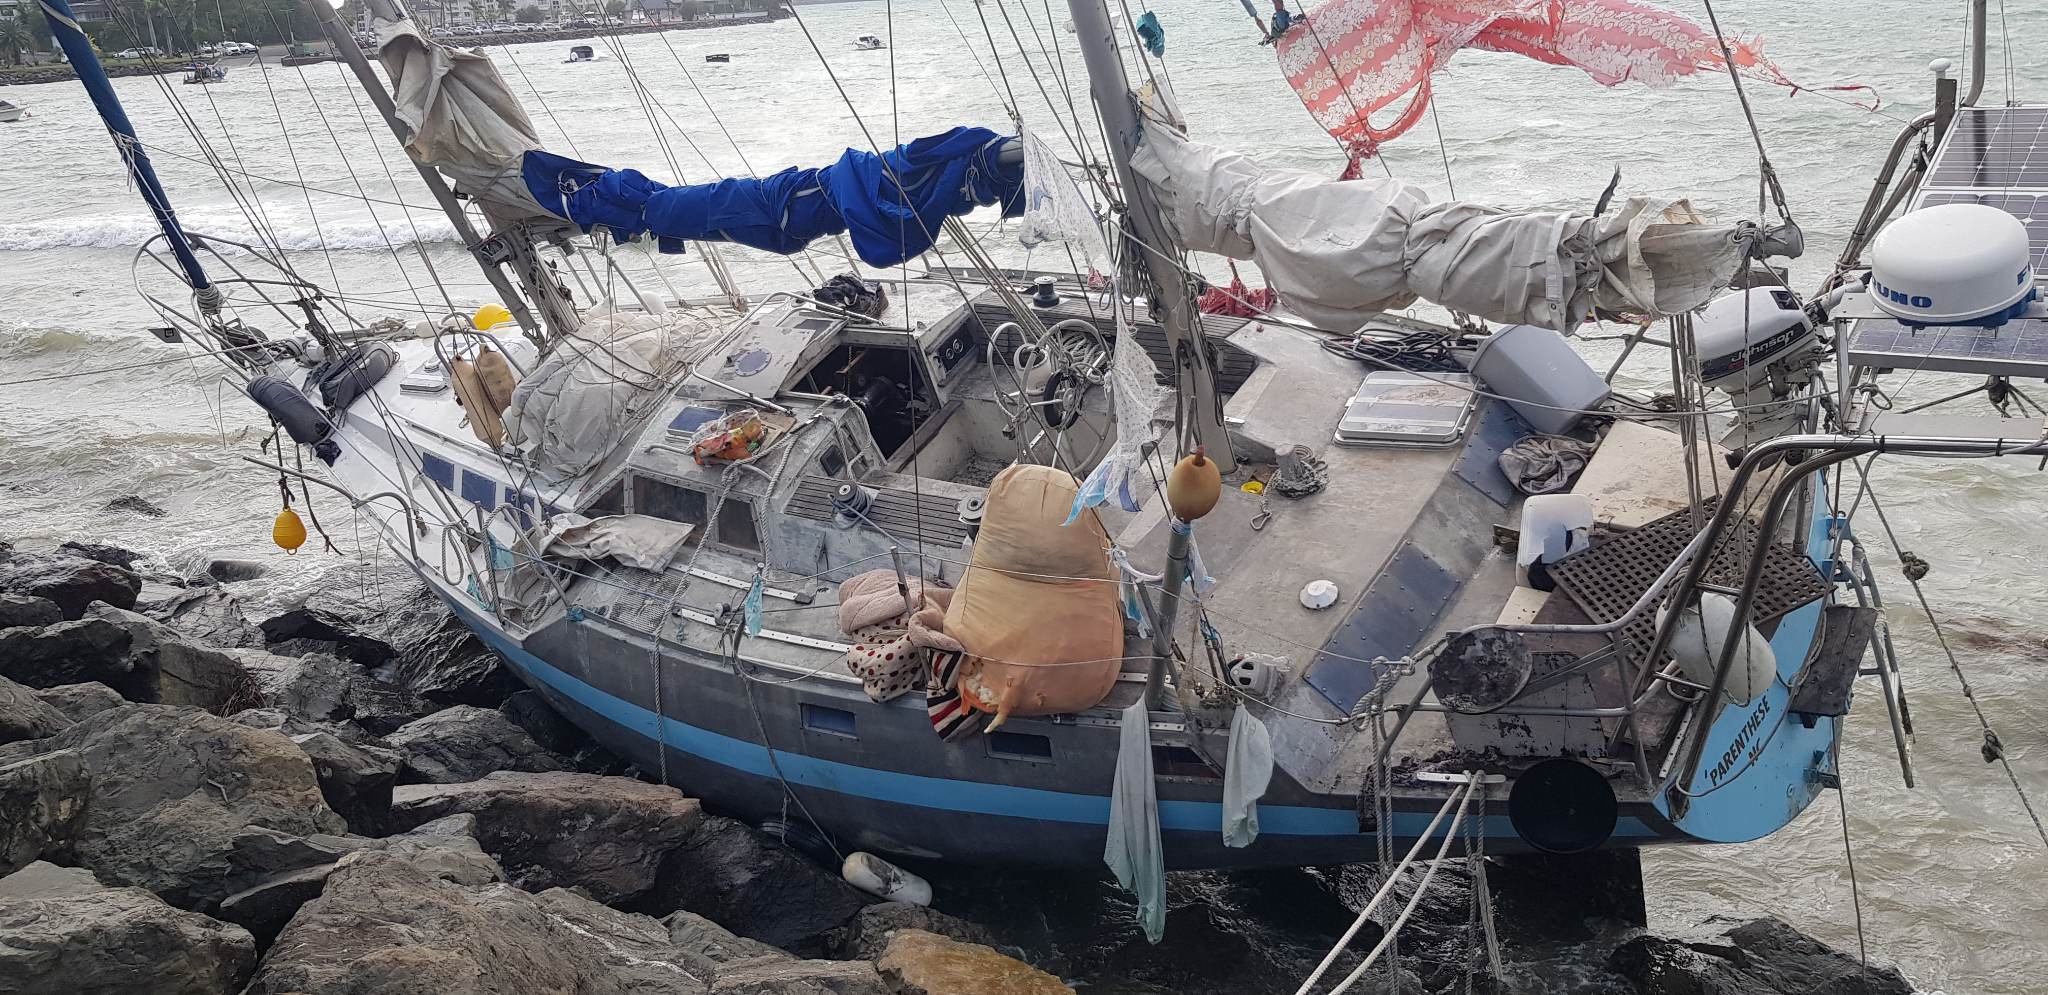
193	801
321	802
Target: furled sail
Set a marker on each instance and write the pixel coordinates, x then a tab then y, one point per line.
1340	251
466	123
892	205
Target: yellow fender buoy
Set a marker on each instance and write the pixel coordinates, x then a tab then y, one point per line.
490	316
288	532
1193	486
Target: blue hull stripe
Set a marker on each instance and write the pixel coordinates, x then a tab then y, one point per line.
947	794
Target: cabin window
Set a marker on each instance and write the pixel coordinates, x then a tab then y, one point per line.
832	460
1179	761
479	489
1019	746
663	500
611	502
834	721
736	526
438	470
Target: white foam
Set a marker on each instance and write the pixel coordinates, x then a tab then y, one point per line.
296	232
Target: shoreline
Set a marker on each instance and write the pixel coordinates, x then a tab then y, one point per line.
60	72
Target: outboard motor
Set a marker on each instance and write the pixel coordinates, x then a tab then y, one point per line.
1759	346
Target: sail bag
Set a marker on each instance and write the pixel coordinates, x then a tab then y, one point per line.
1037	610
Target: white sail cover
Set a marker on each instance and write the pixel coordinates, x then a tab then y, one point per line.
575	408
463	119
1340	251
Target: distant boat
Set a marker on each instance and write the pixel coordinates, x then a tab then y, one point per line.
868	43
200	72
581	53
718	57
10	112
304	55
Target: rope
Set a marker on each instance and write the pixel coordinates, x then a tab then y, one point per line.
1993	749
1459	797
1766	175
1849	852
1387	941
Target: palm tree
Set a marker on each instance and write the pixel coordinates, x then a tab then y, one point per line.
16	39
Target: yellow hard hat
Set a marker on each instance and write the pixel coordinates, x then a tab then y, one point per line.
490	316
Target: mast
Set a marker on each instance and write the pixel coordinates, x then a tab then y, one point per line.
504	246
64	26
1156	255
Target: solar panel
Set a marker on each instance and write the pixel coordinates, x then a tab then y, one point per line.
1994	147
2019	349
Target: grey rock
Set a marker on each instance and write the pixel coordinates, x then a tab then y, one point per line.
445	848
103	552
69	653
605	835
441	660
192	806
42	807
67	937
229	571
788	976
384	925
358	643
27	609
754	886
210	615
77	701
136	504
715	943
71	581
43	879
465	743
265	907
314	687
177	671
867	935
356	779
23	715
530	711
1760	957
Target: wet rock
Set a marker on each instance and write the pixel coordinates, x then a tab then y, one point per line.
42	805
63	932
136	504
192	806
445	662
177	671
322	688
23	715
355	779
919	963
465	743
715	943
530	711
71	581
103	552
384	925
77	701
446	849
356	641
604	835
210	615
804	977
1759	957
27	609
750	884
229	571
70	653
865	937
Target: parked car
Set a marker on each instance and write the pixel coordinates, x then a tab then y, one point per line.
237	48
128	53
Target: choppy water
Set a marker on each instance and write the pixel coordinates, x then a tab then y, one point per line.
1954	884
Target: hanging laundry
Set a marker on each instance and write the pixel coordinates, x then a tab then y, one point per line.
1132	851
1247	771
1152	34
891	647
1351	59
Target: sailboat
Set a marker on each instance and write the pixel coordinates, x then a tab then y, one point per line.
985	566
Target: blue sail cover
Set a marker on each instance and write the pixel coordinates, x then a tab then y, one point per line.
939	176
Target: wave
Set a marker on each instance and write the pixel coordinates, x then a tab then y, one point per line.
32	341
297	233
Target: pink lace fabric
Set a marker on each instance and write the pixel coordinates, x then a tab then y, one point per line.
1352	59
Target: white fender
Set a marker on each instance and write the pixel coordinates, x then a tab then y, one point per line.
885	880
